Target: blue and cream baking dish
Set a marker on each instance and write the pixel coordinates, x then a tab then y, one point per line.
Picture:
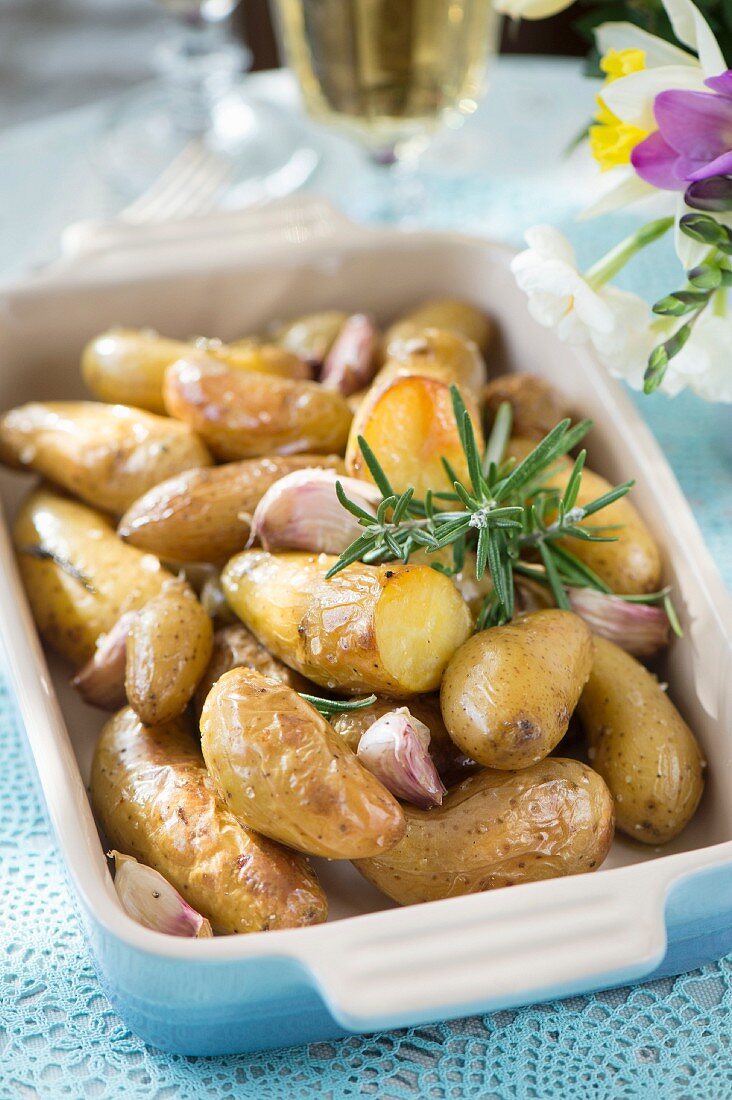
372	966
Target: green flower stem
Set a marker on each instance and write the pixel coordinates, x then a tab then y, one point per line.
615	260
719	303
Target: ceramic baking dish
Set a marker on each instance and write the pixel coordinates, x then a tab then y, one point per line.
648	911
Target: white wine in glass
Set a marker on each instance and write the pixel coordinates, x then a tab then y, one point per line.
388	71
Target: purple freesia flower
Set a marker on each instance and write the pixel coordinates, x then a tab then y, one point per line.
694	137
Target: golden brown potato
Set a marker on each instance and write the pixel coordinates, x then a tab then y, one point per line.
536	406
499	829
204	515
445	313
640	745
78	576
107	455
127	366
168	649
410	426
284	771
311	337
236	647
244	415
155	800
439	353
385	628
450	762
629	566
508	693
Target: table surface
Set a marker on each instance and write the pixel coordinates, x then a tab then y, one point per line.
58	1035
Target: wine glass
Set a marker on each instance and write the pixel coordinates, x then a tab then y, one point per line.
198	108
388	73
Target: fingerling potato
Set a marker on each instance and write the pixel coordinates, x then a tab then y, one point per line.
108	455
78	576
205	515
168	650
508	693
311	337
236	647
386	628
283	770
444	313
127	366
536	406
155	800
438	352
640	745
499	829
246	415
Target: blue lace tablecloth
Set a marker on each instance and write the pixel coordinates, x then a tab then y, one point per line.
58	1035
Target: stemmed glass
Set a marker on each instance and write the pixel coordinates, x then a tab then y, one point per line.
388	73
200	106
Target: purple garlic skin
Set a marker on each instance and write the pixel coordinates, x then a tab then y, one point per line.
396	750
301	511
638	628
149	899
351	362
101	681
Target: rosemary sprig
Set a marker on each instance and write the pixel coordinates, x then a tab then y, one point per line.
328	707
506	512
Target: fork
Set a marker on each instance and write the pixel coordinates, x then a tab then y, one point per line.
189	185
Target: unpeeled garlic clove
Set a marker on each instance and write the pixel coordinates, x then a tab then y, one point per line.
302	512
148	898
638	628
396	750
101	681
351	362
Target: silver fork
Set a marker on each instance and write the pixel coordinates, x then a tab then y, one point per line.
189	185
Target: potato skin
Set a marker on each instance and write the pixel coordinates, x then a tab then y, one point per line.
282	769
168	649
204	515
444	353
108	455
450	762
233	647
444	313
78	576
536	406
508	693
246	415
127	366
499	829
387	628
310	337
155	800
640	745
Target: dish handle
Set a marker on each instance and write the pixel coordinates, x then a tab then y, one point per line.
458	959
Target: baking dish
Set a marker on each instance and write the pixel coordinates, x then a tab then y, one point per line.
648	911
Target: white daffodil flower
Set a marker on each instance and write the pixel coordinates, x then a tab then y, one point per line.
625	351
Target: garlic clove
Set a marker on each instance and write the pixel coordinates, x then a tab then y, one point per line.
101	681
638	628
351	362
396	750
149	899
302	512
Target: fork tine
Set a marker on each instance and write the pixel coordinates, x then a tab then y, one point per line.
156	200
202	191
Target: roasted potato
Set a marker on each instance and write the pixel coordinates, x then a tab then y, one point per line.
236	647
386	628
444	313
409	423
311	337
155	800
497	829
78	576
439	353
640	745
126	366
629	566
282	769
450	762
508	693
168	650
204	515
107	455
536	406
244	415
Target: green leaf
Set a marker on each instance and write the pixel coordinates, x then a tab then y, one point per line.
328	707
351	506
555	583
569	498
380	478
499	437
402	505
495	557
481	558
544	453
351	554
672	616
568	559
